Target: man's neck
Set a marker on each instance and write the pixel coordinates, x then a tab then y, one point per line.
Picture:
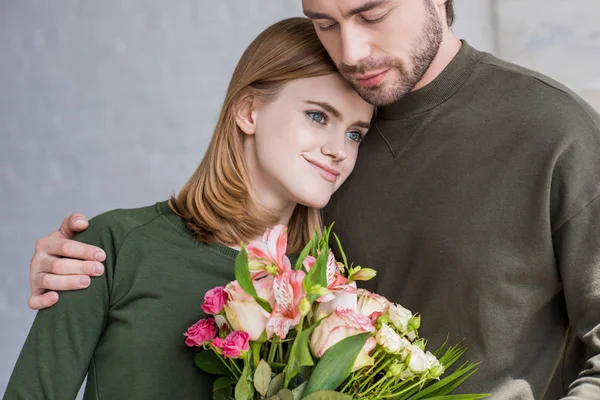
448	49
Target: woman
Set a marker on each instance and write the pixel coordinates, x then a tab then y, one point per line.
286	139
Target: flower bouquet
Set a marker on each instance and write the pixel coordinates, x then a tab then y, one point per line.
305	331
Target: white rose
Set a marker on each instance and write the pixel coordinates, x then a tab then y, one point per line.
399	316
390	340
369	303
419	362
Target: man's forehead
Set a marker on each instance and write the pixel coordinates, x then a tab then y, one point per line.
337	8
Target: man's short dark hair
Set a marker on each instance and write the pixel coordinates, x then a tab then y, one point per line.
450	12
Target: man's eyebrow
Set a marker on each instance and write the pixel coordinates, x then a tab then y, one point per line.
357	10
369	5
362	124
316	15
337	114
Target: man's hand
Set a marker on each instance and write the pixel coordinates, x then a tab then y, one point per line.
60	263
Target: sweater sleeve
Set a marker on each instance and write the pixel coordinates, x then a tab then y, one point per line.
59	348
578	253
575	204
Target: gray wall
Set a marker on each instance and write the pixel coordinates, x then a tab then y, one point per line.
107	104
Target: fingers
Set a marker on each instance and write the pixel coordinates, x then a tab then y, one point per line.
40	301
55	246
67	266
74	223
61	282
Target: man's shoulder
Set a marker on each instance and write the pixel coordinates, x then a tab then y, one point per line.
534	84
520	91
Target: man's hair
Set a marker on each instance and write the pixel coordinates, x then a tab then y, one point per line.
450	12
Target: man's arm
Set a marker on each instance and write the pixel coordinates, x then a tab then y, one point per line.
60	263
578	254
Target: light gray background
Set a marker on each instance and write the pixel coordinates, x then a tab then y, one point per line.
107	104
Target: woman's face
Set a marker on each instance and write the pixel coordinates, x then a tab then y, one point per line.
302	146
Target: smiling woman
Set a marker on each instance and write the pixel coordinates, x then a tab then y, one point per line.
286	139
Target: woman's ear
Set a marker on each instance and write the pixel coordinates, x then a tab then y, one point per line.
245	114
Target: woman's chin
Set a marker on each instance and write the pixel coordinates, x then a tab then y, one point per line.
317	201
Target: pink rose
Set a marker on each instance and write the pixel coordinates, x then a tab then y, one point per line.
201	332
234	344
214	300
243	312
343	322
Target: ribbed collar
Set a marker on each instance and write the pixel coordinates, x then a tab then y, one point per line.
439	90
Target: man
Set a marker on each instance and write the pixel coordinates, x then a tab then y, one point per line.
476	196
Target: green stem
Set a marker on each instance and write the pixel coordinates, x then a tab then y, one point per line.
370	388
232	362
279	352
234	375
255	346
272	351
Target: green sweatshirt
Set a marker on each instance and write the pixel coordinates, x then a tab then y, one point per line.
477	200
126	330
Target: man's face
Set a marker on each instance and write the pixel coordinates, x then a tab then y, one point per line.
382	47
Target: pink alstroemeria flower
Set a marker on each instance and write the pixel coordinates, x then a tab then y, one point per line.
288	292
336	282
271	251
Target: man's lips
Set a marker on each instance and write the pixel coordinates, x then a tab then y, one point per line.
371	79
328	173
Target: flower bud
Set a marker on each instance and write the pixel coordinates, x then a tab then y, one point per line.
436	371
363	274
304	307
319	290
420	344
396	369
415	322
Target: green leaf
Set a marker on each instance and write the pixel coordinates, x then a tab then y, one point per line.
300	355
244	389
222	382
303	255
448	383
317	274
336	364
284	394
262	377
460	397
327	395
298	391
276	384
242	275
222	388
339	244
210	363
242	272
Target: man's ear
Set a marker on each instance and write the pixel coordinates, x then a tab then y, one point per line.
245	113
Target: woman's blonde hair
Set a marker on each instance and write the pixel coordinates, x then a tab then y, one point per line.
216	202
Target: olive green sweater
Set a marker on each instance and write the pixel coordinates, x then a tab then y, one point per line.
126	331
477	200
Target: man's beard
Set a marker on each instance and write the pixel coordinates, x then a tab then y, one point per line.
426	48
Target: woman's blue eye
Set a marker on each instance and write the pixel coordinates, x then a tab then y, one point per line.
317	116
355	136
